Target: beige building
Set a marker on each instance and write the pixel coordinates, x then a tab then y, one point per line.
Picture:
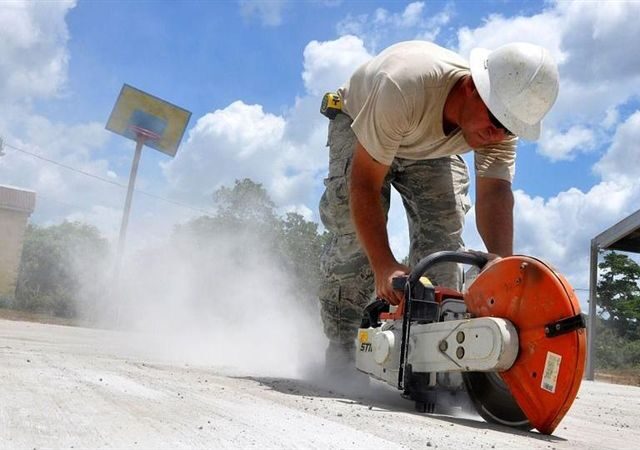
16	205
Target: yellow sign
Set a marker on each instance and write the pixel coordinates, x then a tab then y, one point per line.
162	123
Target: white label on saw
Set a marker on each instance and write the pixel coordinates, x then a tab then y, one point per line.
551	371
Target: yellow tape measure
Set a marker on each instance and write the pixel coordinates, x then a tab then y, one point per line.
331	105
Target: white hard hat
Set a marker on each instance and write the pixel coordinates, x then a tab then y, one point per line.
518	82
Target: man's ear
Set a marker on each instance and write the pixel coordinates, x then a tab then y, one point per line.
468	84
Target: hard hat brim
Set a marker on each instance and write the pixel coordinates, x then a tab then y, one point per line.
482	81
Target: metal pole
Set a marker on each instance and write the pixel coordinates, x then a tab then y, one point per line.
591	330
127	206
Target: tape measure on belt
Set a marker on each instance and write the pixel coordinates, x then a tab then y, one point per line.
331	105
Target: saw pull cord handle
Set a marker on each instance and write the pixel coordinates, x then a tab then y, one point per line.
472	259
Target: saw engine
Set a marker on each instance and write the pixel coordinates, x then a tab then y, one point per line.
515	340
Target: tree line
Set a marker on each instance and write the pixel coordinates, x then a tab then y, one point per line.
65	269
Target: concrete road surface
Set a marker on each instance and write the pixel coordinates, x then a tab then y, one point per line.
64	387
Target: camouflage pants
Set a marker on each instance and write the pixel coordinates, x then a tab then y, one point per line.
434	194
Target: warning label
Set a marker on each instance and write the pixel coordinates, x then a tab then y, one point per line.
551	371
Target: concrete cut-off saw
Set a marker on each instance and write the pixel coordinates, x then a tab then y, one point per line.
515	340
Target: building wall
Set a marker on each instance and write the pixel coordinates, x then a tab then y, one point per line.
12	224
16	205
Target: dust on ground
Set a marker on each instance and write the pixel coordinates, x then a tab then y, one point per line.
77	387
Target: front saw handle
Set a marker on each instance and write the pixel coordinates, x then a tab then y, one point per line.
472	259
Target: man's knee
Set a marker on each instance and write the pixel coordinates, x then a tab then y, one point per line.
341	305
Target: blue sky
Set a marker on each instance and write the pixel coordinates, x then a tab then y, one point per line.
252	73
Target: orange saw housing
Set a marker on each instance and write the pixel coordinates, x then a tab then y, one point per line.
546	376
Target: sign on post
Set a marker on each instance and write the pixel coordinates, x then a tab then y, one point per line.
150	121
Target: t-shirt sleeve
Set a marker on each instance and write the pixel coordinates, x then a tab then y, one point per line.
497	160
383	120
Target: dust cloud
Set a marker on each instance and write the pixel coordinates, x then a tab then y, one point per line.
224	302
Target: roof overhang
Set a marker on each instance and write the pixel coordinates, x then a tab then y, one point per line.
623	236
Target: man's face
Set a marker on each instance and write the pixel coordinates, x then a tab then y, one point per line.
478	126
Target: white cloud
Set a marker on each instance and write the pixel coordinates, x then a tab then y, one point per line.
412	14
542	29
611	118
303	210
65	142
73	145
559	146
382	26
60	192
243	141
327	65
622	160
599	38
108	218
268	11
238	137
33	53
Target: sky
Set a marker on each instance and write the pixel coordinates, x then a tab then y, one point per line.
252	73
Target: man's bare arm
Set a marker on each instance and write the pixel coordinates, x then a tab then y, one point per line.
494	214
367	178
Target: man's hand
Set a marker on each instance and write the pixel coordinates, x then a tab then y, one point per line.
384	278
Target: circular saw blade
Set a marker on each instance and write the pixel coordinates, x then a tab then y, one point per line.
493	401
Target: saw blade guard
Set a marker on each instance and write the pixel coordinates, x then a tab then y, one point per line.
546	376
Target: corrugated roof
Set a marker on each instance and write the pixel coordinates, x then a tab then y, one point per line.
17	199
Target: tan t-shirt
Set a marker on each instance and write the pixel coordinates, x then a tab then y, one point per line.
396	101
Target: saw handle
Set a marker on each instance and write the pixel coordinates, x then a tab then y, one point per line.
472	259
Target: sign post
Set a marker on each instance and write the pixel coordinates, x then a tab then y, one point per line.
149	121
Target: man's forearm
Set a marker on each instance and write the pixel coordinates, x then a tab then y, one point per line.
368	216
370	224
494	216
367	177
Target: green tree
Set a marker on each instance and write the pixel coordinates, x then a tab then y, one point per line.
301	249
61	266
246	211
619	294
245	216
246	204
245	207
